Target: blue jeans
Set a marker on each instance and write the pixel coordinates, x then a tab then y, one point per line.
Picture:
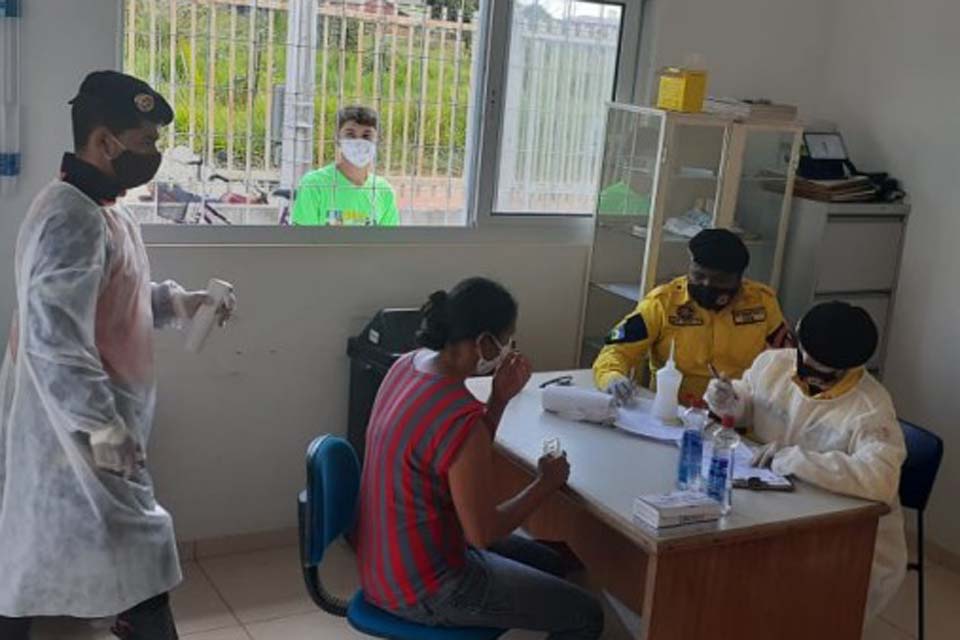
516	584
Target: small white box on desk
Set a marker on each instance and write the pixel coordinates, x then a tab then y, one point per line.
676	508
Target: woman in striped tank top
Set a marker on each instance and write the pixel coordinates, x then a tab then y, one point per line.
433	545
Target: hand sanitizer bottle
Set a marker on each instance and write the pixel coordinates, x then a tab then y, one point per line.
665	403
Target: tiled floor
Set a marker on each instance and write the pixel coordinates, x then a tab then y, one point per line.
260	596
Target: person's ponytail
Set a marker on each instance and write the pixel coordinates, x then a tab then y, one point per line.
435	327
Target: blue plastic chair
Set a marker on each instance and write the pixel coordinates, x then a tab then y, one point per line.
326	510
924	453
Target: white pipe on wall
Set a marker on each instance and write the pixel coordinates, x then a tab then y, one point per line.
10	164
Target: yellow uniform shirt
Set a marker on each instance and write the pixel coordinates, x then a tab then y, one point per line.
728	339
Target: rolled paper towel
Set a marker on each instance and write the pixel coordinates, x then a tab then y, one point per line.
580	404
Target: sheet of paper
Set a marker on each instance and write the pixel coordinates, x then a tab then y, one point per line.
637	420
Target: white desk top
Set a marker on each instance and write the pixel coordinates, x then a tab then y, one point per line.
609	468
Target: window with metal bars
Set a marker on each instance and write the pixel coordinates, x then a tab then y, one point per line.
257	86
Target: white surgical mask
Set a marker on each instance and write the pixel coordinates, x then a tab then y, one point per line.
357	151
486	367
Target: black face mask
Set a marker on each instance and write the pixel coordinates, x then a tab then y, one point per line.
806	373
135	169
709	297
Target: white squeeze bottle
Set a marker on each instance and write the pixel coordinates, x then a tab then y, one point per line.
665	403
206	315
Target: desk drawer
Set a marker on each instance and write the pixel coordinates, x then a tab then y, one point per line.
859	254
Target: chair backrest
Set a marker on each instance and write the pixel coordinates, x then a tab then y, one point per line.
333	482
924	453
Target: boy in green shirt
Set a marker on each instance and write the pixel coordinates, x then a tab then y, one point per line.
347	192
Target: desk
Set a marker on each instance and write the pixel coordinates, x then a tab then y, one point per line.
785	566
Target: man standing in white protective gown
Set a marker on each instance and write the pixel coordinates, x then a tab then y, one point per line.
81	534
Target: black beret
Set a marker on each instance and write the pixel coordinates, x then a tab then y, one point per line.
838	335
124	98
719	249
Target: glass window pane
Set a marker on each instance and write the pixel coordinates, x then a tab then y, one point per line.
257	85
759	211
561	73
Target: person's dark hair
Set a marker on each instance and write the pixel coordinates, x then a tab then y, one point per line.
89	112
472	308
357	113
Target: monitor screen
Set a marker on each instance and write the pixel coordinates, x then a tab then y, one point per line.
825	146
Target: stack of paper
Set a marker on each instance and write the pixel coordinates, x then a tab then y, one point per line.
676	508
751	109
853	189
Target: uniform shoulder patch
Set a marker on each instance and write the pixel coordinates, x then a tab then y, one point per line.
633	329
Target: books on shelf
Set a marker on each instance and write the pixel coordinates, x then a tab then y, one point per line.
853	189
675	509
750	109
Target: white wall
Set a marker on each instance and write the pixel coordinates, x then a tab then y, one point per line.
752	48
893	87
62	41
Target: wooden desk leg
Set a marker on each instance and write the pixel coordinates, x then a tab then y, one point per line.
808	582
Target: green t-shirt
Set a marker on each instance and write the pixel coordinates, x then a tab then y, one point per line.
326	197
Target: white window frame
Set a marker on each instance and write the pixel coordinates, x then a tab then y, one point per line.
490	145
483	225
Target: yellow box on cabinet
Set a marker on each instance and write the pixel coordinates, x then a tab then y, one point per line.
682	89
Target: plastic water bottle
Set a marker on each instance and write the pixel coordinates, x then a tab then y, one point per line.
666	404
720	478
691	450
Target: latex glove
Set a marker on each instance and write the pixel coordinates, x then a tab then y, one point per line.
621	388
722	398
187	303
763	456
116	450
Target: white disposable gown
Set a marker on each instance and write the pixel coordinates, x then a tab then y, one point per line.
851	444
76	540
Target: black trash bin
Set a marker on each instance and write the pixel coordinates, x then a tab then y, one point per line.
390	334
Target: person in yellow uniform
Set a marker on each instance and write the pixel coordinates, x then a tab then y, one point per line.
715	316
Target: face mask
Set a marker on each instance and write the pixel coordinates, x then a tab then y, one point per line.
134	169
358	152
486	367
807	373
712	298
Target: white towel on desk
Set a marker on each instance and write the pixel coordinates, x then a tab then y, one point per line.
580	404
